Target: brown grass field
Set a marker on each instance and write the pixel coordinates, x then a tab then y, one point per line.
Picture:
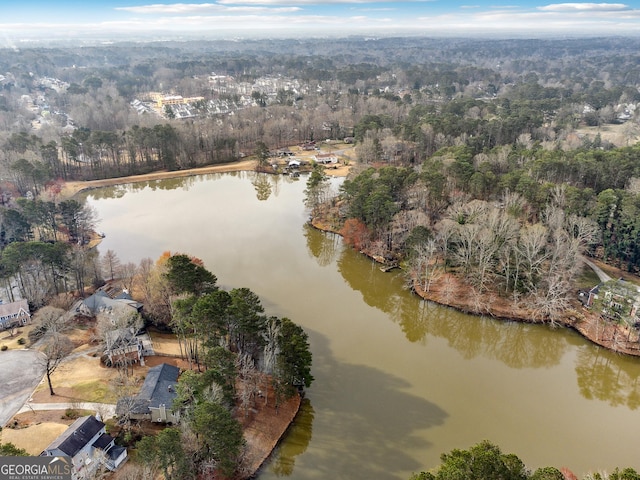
164	343
621	135
83	379
35	438
12	341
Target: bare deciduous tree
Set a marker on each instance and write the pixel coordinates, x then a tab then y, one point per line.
111	263
52	319
128	273
55	348
424	267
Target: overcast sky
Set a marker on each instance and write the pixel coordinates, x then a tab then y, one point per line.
283	18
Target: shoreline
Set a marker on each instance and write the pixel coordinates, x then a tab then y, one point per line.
69	189
452	292
261	440
72	188
263	435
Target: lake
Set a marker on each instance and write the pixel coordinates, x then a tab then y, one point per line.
398	381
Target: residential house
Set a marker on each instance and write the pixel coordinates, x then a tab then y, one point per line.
87	443
14	314
123	347
587	297
101	302
155	399
617	300
325	158
284	152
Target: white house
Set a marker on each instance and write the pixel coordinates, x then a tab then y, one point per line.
14	314
326	158
87	443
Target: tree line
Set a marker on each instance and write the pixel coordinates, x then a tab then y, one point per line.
598	186
44	249
401	106
486	461
524	248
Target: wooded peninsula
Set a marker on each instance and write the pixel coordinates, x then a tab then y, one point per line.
501	176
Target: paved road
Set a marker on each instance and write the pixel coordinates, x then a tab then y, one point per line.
20	373
601	275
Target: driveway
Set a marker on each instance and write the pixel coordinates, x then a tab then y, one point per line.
20	373
601	275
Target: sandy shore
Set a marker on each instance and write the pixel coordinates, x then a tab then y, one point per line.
71	188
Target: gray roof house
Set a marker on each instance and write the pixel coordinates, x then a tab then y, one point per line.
14	314
155	399
101	302
87	443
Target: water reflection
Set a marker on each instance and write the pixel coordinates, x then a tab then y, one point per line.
516	345
364	276
262	186
608	377
298	438
265	184
324	247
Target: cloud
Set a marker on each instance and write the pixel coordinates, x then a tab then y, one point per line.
584	7
309	2
195	8
344	17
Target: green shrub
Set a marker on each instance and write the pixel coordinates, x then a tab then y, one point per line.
72	414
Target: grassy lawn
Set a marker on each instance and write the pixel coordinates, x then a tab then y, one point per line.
164	343
82	379
12	341
587	279
33	439
95	391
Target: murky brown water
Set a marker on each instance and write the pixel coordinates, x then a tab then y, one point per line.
398	380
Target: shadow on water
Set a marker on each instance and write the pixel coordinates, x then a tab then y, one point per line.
351	421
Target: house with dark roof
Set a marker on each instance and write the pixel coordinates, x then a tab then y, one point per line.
155	399
14	314
87	443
